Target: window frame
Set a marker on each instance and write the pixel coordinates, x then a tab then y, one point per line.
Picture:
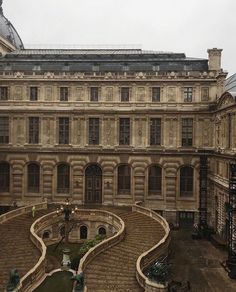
187	132
124	131
188	94
186	182
4	93
94	94
155	132
33	178
63	130
4	130
63	178
125	94
94	131
124	179
155	180
33	130
64	93
5	177
156	97
34	92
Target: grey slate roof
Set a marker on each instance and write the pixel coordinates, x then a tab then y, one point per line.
8	32
108	60
230	84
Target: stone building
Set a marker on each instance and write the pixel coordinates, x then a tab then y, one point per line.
115	126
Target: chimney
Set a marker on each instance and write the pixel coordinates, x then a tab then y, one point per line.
214	56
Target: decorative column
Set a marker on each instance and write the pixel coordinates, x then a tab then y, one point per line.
231	262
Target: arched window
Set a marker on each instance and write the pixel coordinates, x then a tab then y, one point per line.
46	234
83	232
4	177
33	178
102	231
154	179
186	181
63	178
123	179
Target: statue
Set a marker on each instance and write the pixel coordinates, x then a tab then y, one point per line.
79	282
14	280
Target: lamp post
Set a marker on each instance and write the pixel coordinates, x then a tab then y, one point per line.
68	213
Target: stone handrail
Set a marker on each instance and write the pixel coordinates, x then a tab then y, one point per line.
148	257
20	211
37	272
105	244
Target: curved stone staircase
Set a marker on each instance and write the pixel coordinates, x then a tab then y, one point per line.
16	249
110	271
114	270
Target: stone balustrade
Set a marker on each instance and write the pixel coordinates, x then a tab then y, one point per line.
119	224
20	211
150	256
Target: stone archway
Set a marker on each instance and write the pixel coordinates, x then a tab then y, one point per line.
93	184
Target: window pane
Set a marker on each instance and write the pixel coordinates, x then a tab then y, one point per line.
186	181
63	178
155	131
155	180
156	94
94	94
187	132
124	138
4	177
124	93
188	94
33	130
33	93
94	131
33	178
123	179
64	93
63	130
4	130
3	93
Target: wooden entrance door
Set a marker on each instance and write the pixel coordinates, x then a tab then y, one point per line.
93	185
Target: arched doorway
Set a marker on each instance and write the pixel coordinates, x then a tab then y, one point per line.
93	184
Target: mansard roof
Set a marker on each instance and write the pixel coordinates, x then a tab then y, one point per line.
109	60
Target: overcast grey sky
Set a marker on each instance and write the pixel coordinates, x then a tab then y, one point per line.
189	26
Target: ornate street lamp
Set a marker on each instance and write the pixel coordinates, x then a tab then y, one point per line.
68	214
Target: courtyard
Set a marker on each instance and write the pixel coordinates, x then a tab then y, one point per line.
199	262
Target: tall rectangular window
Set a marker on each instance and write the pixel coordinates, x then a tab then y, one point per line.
187	132
156	94
64	93
63	130
155	131
125	92
94	131
33	93
124	137
188	94
33	130
4	130
94	94
3	93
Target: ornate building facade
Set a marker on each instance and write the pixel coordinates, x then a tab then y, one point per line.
114	127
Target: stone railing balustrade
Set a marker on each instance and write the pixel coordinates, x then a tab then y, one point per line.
119	224
150	256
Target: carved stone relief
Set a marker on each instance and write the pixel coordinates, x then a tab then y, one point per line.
18	93
48	93
109	93
172	94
